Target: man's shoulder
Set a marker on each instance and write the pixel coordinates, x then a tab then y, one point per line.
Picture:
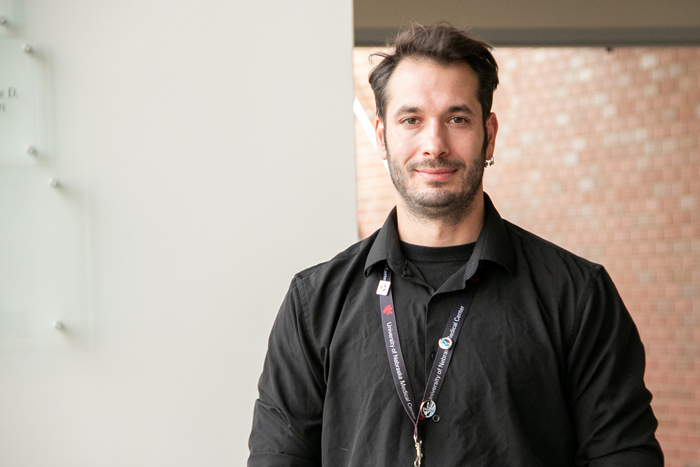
323	290
543	255
348	261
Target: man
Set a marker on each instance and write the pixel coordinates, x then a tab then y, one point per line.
450	337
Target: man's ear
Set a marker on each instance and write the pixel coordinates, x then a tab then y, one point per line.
379	134
491	131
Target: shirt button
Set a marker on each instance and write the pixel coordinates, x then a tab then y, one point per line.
437	298
432	355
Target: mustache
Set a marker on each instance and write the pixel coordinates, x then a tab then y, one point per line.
452	164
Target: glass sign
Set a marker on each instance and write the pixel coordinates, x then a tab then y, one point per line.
18	103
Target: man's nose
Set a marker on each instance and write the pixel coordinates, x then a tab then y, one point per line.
435	143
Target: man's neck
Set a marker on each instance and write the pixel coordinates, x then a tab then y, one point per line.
437	232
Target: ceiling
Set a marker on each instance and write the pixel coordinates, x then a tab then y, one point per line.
607	23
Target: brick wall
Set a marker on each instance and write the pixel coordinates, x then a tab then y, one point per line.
599	152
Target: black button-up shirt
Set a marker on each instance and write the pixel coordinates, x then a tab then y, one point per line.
548	369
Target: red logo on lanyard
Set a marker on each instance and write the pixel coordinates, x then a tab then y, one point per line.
388	310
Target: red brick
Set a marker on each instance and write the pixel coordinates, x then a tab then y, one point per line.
632	220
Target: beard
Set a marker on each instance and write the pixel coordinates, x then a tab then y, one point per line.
439	203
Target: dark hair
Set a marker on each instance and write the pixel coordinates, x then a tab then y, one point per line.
445	45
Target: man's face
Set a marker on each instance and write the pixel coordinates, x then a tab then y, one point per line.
434	138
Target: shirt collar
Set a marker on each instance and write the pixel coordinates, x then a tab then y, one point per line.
493	244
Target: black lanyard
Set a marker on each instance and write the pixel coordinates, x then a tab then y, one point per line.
427	406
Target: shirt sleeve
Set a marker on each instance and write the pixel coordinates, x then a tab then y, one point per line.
610	405
288	413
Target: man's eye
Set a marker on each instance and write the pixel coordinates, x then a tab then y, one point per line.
410	121
459	120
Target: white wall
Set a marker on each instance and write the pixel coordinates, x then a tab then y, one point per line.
205	154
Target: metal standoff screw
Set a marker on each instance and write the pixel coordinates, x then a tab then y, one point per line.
53	182
31	150
3	20
26	48
58	325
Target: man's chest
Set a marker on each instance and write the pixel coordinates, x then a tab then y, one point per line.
504	381
507	338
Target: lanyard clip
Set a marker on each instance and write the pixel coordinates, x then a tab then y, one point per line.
419	452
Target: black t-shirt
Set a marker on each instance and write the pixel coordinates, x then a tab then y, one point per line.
437	264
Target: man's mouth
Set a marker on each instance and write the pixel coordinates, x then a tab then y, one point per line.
435	175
